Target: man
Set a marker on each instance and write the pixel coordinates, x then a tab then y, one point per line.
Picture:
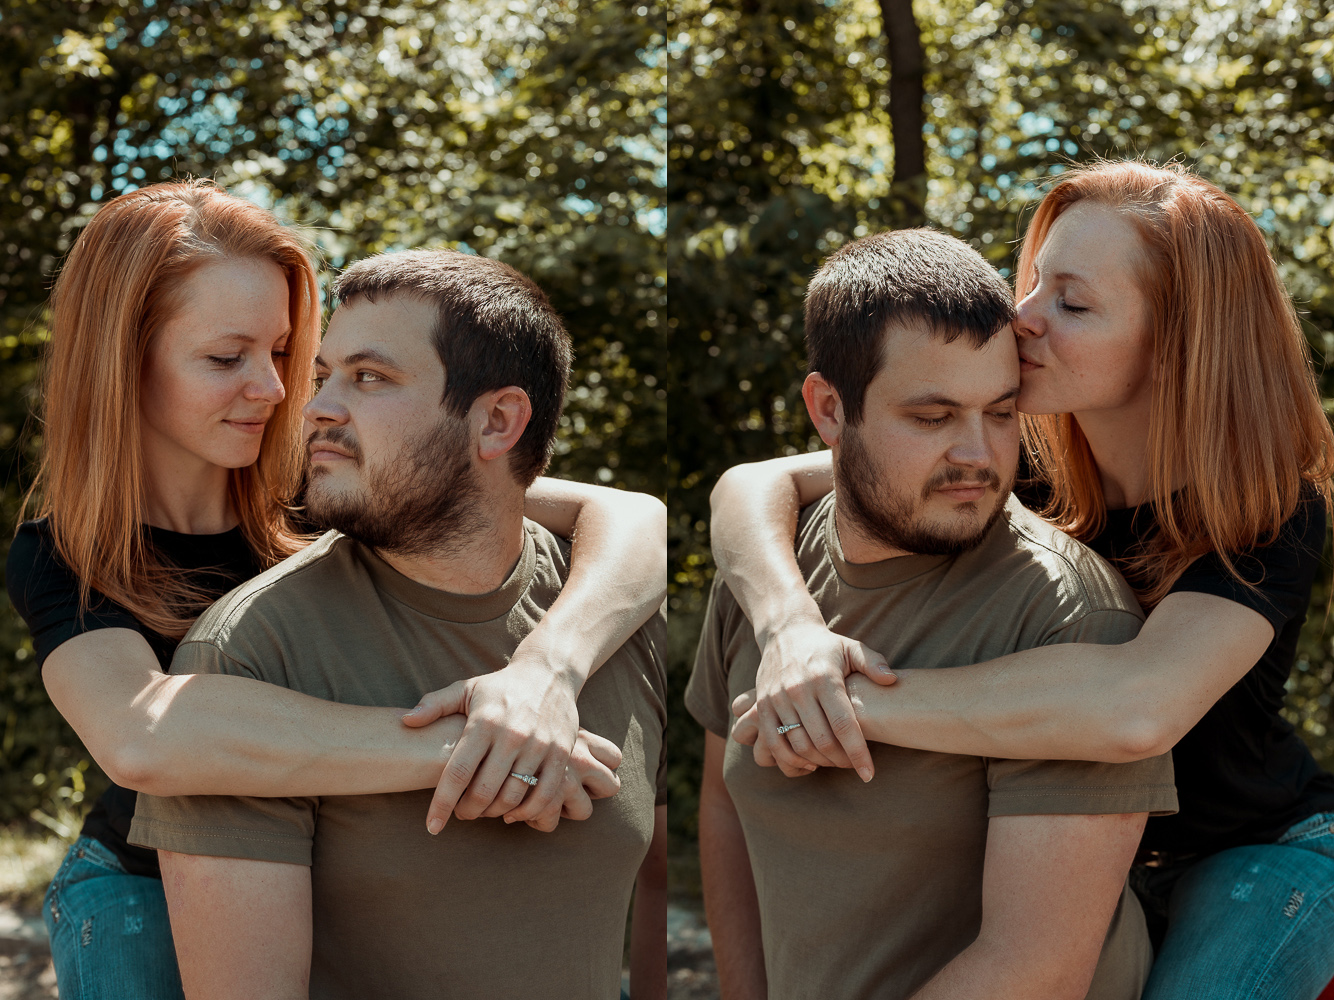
947	876
439	389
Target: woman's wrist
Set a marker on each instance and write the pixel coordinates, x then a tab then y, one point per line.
783	612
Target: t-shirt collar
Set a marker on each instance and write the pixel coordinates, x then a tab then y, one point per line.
447	606
869	576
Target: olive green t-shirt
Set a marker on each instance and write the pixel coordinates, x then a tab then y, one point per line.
485	909
867	890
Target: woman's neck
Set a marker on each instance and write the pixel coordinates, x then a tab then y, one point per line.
198	504
1119	440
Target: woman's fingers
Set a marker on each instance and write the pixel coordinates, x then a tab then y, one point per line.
438	704
866	661
515	789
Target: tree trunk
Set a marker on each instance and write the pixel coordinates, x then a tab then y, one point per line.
903	42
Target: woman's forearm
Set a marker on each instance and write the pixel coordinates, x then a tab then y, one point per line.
1065	702
754	520
618	572
1076	701
223	735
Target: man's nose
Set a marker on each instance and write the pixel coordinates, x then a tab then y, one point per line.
971	447
324	408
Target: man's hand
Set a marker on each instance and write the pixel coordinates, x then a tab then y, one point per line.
801	680
521	720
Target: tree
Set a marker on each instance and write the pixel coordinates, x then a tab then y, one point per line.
530	131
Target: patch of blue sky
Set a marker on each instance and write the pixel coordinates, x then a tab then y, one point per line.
1032	124
155	29
654	220
583	206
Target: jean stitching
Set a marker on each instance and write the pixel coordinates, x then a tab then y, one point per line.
1297	924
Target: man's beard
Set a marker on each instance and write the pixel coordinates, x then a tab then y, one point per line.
890	517
426	500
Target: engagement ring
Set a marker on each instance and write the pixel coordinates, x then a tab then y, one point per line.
784	729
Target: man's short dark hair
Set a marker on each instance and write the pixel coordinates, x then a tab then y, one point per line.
908	275
494	327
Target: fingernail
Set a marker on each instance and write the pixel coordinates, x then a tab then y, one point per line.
434	826
415	710
509	819
809	768
865	773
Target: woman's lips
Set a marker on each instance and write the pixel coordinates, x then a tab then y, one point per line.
1028	366
247	426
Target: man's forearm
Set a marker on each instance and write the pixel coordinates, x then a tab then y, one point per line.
730	903
211	734
984	971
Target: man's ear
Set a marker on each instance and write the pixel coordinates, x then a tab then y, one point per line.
503	415
825	408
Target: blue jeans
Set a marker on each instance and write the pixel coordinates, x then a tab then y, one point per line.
1246	923
110	939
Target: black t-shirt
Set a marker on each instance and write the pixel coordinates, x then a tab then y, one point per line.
1243	774
46	593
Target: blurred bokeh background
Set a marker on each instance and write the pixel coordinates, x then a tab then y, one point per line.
529	130
796	125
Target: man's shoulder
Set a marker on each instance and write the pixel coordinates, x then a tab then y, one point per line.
300	580
1079	576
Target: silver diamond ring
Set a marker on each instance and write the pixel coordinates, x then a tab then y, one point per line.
784	729
527	779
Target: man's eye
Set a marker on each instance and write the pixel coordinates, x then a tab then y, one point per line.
1003	414
931	421
318	382
368	377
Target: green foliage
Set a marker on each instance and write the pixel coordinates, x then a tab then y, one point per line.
533	132
781	150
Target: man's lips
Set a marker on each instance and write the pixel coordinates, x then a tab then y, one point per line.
322	451
963	492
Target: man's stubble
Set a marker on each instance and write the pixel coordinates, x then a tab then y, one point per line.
426	500
891	517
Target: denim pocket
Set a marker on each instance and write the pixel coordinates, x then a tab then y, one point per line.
1315	833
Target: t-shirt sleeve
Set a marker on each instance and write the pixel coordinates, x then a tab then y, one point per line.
1078	787
1282	572
226	826
707	697
45	593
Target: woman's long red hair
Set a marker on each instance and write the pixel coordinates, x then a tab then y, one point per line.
119	284
1236	427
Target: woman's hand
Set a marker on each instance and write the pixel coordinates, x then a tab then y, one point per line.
590	775
801	679
521	719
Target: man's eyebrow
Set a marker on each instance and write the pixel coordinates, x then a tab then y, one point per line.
932	399
937	399
370	354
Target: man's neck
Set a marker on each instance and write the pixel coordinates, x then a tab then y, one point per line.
856	546
477	564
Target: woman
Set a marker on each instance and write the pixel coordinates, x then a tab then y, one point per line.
183	328
1173	416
